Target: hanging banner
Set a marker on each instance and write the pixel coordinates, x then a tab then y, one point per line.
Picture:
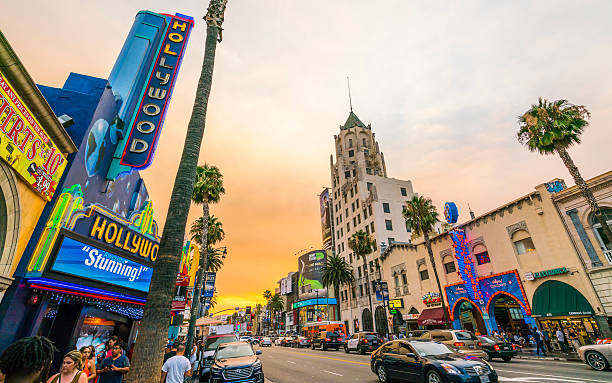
209	284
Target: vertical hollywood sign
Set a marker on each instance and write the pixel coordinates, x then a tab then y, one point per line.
466	265
146	126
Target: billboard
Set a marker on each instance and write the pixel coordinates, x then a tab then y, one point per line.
324	206
82	260
310	269
25	146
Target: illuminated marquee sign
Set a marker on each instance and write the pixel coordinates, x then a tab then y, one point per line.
25	146
145	128
466	271
431	298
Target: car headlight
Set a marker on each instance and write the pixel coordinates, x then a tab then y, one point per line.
216	368
488	365
257	365
450	369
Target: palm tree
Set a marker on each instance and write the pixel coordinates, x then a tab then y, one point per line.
267	294
207	189
552	127
215	259
276	305
215	232
421	215
155	322
336	272
362	244
258	316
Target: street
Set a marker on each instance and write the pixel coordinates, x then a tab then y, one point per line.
287	365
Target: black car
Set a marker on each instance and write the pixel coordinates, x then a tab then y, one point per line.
497	348
236	362
362	342
427	361
327	339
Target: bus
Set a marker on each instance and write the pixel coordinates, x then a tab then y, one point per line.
313	329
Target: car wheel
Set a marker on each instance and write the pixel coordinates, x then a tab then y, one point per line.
362	351
596	361
488	357
312	346
381	372
433	377
323	347
507	358
346	350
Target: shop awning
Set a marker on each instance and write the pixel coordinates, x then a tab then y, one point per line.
554	298
206	321
431	317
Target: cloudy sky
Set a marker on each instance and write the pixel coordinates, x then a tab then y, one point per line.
441	83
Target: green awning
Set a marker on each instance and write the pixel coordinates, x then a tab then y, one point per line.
554	298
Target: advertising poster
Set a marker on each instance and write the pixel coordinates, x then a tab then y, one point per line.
324	205
209	284
86	261
25	145
310	268
95	332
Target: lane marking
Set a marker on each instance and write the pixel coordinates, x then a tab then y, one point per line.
333	373
571	378
337	359
289	361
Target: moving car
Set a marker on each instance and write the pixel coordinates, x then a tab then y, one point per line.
362	342
210	346
326	339
300	341
597	356
464	341
415	360
247	339
236	362
286	341
497	348
266	342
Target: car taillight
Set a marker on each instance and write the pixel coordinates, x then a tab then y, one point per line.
514	346
479	344
365	341
327	340
459	344
496	347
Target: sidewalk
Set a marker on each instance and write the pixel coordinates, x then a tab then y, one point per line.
530	353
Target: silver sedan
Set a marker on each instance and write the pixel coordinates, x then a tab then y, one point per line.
597	356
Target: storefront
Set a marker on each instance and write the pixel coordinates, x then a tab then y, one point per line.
494	303
557	305
315	310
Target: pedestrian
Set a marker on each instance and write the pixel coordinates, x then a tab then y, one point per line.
89	366
27	360
176	368
546	338
109	346
573	336
561	339
170	351
112	369
537	336
70	370
394	337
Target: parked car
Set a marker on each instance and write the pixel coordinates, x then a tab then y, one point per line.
417	360
463	341
210	346
326	339
236	361
246	338
497	348
266	342
415	333
362	342
299	342
597	356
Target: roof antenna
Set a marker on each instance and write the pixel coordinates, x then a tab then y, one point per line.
472	215
349	90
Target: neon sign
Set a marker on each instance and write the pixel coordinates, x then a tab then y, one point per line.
466	270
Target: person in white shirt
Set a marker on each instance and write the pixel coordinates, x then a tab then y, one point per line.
561	338
176	368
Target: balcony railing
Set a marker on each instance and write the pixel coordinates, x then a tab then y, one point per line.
608	255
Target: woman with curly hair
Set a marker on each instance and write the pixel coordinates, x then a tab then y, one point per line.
71	369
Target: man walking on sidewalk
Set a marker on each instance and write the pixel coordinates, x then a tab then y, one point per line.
176	368
561	339
538	337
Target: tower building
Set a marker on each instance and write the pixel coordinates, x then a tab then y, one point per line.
364	198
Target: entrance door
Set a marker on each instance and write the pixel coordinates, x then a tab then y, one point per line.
508	314
470	318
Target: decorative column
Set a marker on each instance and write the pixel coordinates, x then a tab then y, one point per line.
586	242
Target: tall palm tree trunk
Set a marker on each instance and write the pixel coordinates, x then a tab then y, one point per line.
586	192
197	290
435	271
153	331
368	291
337	294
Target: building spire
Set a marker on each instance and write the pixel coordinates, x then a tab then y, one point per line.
348	82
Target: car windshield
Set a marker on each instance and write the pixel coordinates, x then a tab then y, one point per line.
488	340
329	334
213	343
465	335
371	336
430	348
234	351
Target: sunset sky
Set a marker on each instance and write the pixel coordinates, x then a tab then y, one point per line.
441	83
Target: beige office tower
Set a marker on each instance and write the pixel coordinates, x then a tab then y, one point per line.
364	198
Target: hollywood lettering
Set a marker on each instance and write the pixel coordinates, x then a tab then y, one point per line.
145	128
119	236
466	269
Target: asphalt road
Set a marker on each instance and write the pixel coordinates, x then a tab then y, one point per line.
287	365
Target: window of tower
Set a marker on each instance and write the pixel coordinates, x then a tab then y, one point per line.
347	174
350	143
365	143
351	153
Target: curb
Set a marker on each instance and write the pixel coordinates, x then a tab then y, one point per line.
548	358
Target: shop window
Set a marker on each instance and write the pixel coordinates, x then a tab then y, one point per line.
403	191
522	242
424	275
388	224
386	208
482	258
516	313
449	267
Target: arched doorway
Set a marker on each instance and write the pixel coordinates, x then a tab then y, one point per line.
470	317
366	320
398	323
508	313
559	306
381	321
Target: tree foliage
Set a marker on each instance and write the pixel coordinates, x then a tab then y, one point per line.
420	214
